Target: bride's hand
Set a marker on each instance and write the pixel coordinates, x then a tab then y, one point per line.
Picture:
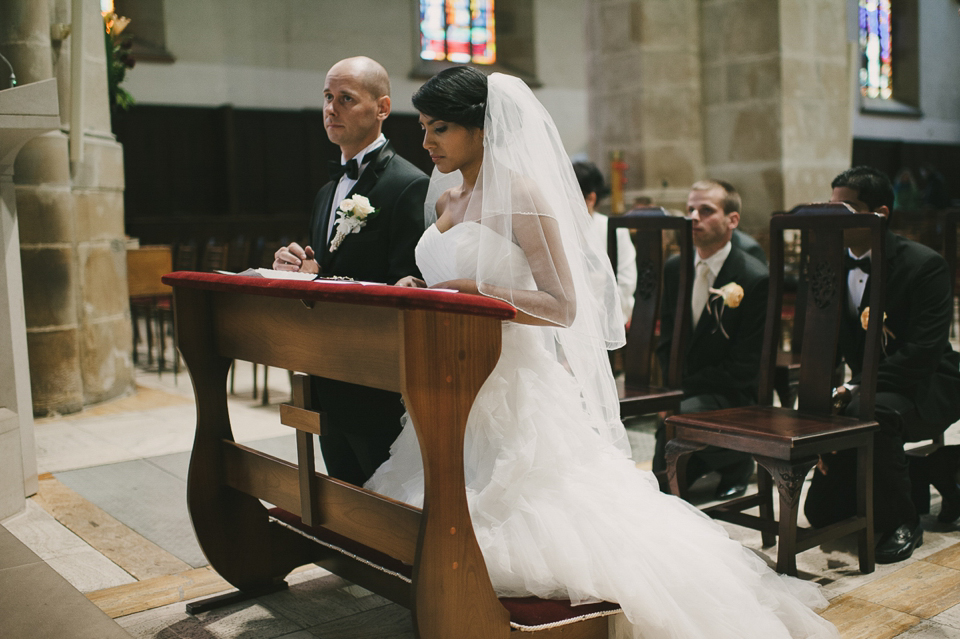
462	285
411	282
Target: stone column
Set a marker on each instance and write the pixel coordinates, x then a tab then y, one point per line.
776	100
71	226
756	92
644	84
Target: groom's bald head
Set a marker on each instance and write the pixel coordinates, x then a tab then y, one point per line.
368	72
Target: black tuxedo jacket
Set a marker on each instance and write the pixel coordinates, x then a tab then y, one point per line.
918	361
383	250
713	363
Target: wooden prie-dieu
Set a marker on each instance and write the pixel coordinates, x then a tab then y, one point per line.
436	348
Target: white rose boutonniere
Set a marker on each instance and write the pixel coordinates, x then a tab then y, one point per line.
352	215
731	294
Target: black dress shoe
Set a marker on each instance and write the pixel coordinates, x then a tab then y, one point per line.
899	544
734	480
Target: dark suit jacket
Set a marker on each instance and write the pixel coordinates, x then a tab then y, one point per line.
383	250
363	422
713	363
918	362
746	242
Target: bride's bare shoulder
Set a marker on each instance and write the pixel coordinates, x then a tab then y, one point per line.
444	221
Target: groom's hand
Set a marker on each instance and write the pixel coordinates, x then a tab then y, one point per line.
295	258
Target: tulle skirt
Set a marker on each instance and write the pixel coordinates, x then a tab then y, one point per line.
559	513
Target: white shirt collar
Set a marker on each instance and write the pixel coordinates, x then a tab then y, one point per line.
715	261
376	144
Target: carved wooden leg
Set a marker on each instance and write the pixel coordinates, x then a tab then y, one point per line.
677	455
765	492
865	541
789	478
232	528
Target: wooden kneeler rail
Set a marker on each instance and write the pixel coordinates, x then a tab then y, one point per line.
435	348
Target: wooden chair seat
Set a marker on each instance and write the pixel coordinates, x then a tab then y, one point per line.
527	614
786	443
643	400
772	431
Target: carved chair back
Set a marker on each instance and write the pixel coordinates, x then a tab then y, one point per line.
648	227
823	306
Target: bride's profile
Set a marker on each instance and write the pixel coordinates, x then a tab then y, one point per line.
558	507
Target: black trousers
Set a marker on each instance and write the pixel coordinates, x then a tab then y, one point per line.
709	459
362	424
832	497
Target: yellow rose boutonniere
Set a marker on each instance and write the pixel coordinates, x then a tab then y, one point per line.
731	294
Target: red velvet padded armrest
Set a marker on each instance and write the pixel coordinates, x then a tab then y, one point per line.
371	295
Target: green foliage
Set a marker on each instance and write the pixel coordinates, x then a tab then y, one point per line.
118	61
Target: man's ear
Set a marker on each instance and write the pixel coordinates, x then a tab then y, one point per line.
884	211
734	219
383	107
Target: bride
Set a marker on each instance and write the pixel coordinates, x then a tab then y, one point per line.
559	508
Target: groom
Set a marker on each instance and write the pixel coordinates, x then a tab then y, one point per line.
362	422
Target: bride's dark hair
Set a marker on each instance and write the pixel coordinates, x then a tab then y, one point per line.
457	94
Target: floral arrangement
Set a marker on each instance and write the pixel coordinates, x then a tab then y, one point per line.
731	294
118	59
352	215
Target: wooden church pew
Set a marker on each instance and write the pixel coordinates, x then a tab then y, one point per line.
434	347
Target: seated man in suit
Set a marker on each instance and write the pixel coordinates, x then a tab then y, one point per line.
362	422
918	384
720	368
593	189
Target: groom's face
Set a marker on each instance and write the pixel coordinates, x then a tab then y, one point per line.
351	114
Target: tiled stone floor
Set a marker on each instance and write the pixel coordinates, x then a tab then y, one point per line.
141	579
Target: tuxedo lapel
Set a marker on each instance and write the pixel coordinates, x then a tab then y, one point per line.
366	183
324	202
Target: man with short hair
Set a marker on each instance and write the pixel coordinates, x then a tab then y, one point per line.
918	381
362	422
722	358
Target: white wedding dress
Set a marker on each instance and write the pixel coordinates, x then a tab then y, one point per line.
560	513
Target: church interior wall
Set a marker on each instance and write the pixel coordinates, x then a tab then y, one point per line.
274	54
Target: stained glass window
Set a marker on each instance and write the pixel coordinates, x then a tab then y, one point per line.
460	31
876	52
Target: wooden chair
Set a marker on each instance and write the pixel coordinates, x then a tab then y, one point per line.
786	443
786	375
238	254
186	256
148	295
215	256
436	349
648	225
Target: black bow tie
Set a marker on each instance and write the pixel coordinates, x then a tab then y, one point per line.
862	263
351	169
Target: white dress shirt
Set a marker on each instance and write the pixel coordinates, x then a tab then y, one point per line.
714	262
856	284
345	184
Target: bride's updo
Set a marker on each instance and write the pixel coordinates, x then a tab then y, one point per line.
457	94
